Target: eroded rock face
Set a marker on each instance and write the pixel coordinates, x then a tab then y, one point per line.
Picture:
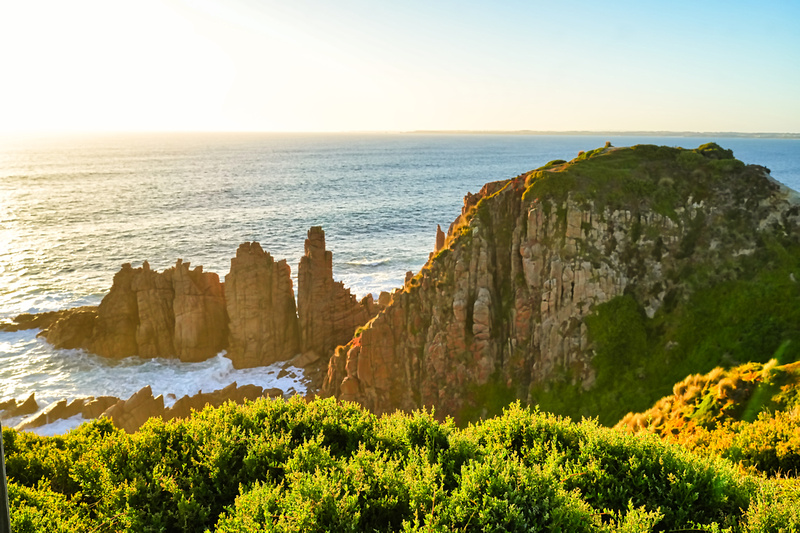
114	334
504	302
201	317
261	307
175	313
12	408
188	314
328	313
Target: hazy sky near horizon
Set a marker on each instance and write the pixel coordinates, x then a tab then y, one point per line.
375	65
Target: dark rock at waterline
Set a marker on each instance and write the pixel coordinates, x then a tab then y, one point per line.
31	321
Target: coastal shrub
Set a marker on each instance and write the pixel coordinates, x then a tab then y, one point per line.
41	509
275	465
774	508
499	493
770	445
612	470
31	459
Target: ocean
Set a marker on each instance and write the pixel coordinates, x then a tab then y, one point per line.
74	209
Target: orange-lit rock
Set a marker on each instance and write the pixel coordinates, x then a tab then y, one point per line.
261	309
329	314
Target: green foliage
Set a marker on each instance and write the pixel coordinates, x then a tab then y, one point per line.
612	470
619	330
774	508
657	177
275	465
638	359
41	509
487	400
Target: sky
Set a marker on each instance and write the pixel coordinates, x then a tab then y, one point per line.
375	65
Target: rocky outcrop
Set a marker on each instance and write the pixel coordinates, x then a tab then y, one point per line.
90	407
328	313
188	314
200	312
175	313
71	328
501	310
31	321
12	408
130	414
440	238
184	406
261	307
114	333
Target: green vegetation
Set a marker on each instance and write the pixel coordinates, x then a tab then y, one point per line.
752	318
639	176
275	465
749	414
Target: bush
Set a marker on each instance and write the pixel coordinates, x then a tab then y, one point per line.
273	465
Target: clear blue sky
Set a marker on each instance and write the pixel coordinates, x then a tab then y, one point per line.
345	65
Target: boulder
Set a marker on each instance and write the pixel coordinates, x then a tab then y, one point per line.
130	414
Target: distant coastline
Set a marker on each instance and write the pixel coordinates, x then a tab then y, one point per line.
757	135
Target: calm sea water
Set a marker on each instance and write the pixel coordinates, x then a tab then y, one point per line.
72	210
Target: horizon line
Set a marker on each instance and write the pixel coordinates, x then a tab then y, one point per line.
646	133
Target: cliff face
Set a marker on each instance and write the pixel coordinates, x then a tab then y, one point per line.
175	313
559	285
260	300
328	313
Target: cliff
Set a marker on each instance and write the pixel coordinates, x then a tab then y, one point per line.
588	287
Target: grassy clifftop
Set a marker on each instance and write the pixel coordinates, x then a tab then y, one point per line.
646	176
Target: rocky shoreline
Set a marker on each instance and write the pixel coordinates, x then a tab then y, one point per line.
629	241
191	315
